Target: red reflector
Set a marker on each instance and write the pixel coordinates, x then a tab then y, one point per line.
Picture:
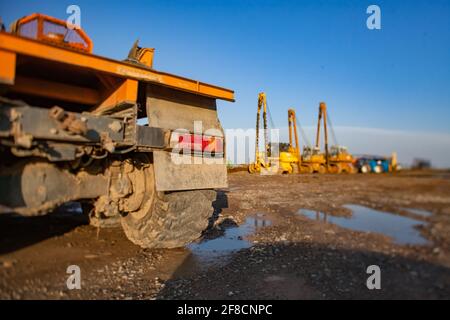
201	143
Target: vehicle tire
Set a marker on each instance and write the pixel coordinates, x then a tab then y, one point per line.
168	220
346	169
365	169
254	168
378	169
322	169
295	168
308	169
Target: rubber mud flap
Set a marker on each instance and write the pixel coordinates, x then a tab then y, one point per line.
171	176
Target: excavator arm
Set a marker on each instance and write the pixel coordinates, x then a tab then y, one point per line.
322	115
292	121
262	104
256	166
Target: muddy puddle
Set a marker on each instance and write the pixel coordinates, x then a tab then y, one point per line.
233	239
401	229
214	250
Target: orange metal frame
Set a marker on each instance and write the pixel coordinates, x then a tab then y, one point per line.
41	18
12	46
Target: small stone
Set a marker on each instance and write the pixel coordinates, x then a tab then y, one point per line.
8	263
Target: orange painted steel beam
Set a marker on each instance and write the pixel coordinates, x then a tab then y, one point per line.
7	67
55	90
33	48
125	91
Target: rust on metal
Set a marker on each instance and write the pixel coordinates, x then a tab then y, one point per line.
68	121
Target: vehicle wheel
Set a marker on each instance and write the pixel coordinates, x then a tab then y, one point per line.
336	169
168	220
254	168
378	169
295	168
285	170
365	169
346	169
307	169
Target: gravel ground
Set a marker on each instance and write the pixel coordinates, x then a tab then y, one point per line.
259	246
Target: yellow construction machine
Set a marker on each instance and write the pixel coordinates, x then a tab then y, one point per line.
261	158
337	159
290	161
313	161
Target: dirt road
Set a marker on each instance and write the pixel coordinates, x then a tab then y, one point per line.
282	237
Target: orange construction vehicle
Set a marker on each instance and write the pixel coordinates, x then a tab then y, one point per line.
72	128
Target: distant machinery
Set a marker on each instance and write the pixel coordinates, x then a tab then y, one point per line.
377	164
337	159
261	158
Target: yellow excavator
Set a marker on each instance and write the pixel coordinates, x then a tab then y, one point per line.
261	158
313	161
290	161
337	159
287	162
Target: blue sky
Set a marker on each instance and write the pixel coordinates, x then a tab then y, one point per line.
298	52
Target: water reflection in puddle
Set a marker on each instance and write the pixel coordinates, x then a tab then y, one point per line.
401	229
232	240
419	212
69	209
